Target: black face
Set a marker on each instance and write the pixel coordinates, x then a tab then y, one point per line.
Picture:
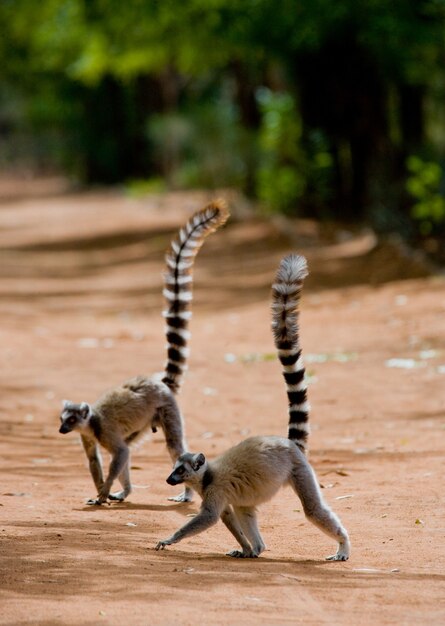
73	416
177	476
186	468
67	425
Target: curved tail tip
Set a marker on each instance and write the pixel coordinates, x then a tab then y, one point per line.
292	267
220	206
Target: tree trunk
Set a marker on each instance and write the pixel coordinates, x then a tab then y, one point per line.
342	94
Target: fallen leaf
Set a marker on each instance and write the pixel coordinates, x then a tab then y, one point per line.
339	357
428	354
367	570
406	364
88	342
401	300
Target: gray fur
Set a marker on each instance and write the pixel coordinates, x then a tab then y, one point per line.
120	418
123	415
234	484
246	476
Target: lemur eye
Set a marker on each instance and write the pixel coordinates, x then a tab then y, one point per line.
180	469
71	420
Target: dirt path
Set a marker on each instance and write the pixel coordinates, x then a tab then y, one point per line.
80	302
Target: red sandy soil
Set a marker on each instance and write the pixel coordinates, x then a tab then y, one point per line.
80	304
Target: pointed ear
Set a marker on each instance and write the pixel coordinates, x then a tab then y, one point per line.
198	461
65	403
85	409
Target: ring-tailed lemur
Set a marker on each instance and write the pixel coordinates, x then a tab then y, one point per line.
124	414
235	483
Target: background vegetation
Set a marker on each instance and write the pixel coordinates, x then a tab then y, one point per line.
321	108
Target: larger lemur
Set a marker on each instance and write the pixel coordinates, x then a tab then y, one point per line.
123	415
235	483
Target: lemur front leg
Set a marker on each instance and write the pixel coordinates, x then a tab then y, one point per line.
207	517
94	460
119	460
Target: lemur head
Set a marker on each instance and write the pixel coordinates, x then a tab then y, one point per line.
74	416
188	468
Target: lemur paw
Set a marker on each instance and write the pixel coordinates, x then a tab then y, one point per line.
340	556
182	497
238	554
119	496
161	544
96	501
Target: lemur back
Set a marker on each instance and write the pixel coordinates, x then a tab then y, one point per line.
122	415
250	473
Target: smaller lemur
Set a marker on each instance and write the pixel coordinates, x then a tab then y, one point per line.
252	472
122	416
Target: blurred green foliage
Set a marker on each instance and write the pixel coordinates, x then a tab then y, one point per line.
311	106
281	172
426	185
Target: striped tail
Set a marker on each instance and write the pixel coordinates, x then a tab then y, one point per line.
286	292
178	281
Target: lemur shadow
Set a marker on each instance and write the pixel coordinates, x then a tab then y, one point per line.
186	507
225	558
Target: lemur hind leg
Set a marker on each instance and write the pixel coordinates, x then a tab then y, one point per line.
170	421
231	521
305	484
124	479
248	521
